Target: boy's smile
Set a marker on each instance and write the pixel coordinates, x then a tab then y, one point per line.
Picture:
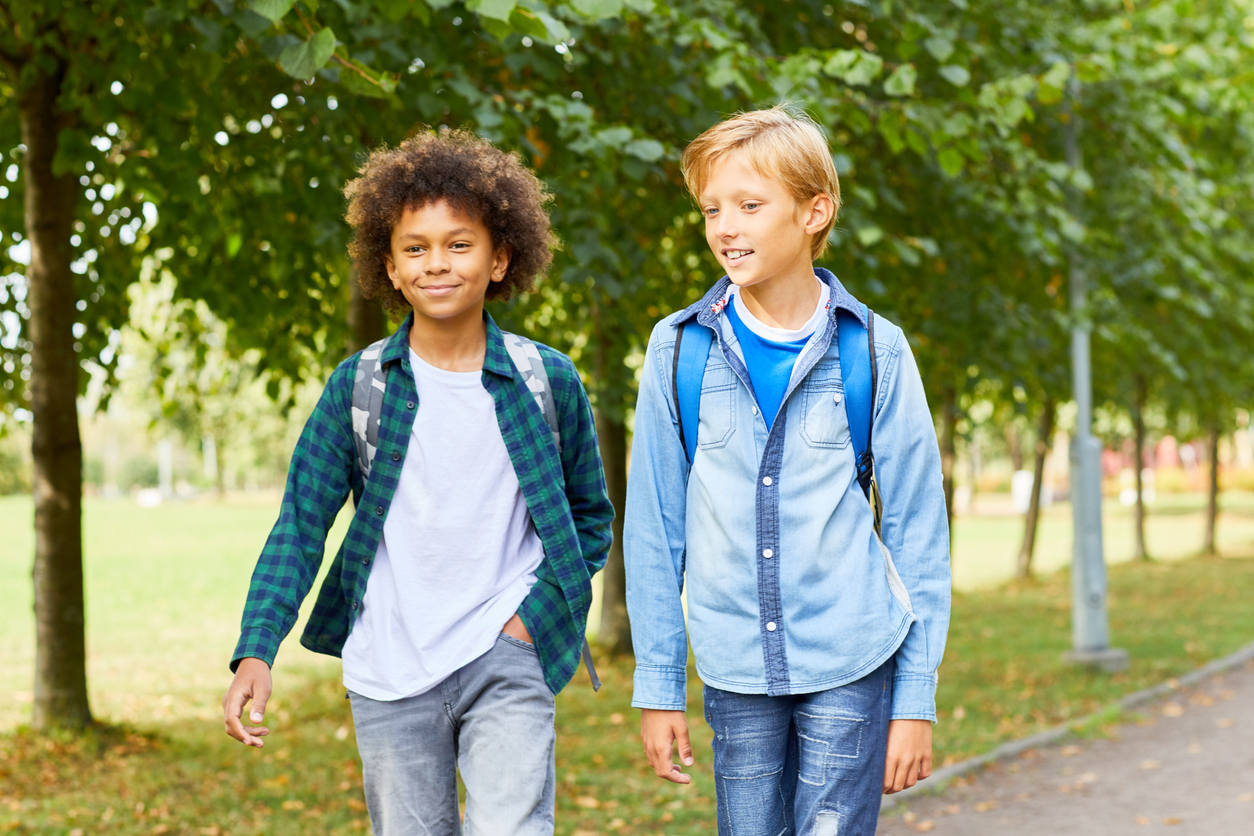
442	260
757	230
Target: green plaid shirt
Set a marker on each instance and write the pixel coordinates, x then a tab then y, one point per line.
565	493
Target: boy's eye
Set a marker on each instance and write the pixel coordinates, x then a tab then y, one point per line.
711	212
751	206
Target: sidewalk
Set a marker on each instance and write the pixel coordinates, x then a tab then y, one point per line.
1185	767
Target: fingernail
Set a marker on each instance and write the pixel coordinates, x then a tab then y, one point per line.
687	761
256	715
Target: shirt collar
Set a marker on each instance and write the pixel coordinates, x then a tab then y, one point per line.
712	304
495	359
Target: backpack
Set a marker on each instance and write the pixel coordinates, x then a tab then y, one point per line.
367	410
858	370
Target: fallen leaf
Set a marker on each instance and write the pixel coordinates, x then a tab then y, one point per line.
925	826
341	733
211	830
587	802
618	824
1173	709
909	817
1226	723
1202	698
1151	764
953	809
1226	694
668	816
1173	820
293	804
357	804
985	806
616	719
1071	750
598	758
960	713
1142	820
1195	748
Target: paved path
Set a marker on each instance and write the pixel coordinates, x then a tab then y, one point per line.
1187	767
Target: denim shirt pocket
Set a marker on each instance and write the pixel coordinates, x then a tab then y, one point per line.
718	407
824	421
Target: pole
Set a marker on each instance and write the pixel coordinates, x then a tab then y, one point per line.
1090	632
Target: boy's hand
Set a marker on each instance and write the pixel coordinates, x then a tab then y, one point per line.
252	682
909	754
660	730
515	628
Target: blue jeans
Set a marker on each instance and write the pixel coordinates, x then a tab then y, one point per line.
801	765
492	719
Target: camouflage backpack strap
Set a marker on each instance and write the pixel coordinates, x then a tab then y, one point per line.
367	405
530	365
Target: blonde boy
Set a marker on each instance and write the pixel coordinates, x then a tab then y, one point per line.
817	639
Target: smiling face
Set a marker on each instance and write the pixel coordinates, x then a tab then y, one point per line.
442	260
757	230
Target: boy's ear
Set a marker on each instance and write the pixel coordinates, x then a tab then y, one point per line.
500	263
819	211
391	268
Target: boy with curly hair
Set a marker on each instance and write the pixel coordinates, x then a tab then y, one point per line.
459	597
816	631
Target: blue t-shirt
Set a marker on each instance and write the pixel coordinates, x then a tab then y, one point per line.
770	364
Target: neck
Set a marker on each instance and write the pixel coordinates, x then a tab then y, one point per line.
785	301
454	345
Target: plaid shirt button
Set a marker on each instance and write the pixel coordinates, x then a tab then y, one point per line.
396	457
409	404
378	509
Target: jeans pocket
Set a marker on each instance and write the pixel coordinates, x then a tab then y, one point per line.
508	639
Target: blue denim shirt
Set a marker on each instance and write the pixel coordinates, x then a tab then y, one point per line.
789	590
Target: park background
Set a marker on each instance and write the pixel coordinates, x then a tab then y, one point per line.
174	288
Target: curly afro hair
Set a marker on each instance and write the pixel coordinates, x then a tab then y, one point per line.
472	176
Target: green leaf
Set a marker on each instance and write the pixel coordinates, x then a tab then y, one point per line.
598	9
233	243
493	9
869	236
955	74
649	150
889	125
395	10
499	29
853	66
557	31
1053	82
901	82
950	161
380	85
250	22
940	47
303	60
525	22
272	10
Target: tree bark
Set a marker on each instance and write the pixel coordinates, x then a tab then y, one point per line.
1212	504
366	322
60	641
1032	518
1140	396
949	446
1015	445
615	631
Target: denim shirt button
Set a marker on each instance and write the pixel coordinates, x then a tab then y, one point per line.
766	480
836	398
755	409
770	626
768	554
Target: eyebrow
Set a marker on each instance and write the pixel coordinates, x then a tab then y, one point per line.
407	236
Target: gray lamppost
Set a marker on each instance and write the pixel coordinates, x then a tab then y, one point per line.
1090	631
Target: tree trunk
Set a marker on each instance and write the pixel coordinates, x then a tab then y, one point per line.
615	631
1015	445
1138	427
1032	518
366	322
60	647
1212	504
949	429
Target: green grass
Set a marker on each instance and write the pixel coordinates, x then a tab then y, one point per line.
164	590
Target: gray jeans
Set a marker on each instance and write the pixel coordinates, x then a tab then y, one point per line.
493	720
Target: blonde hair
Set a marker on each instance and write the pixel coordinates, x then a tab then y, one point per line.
781	144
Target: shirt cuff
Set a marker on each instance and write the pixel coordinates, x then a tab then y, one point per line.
258	643
660	687
914	697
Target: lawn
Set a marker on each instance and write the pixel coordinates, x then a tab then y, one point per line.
164	591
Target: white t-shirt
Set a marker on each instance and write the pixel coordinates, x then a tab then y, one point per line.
459	551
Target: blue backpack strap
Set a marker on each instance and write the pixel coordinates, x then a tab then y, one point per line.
858	369
687	373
